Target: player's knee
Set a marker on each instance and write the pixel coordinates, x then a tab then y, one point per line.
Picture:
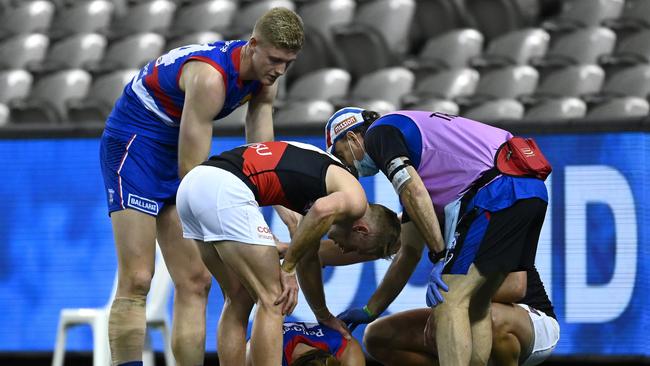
376	336
267	296
196	284
136	283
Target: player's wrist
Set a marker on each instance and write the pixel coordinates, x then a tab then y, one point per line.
369	312
436	257
288	268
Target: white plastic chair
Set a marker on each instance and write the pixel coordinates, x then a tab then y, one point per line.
97	318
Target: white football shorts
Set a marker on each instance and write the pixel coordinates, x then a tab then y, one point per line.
547	334
215	205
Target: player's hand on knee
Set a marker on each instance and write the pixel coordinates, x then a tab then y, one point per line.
355	316
434	296
289	297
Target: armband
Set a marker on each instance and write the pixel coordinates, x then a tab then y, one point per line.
398	175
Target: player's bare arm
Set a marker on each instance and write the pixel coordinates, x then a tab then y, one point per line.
259	117
400	269
204	97
513	288
417	204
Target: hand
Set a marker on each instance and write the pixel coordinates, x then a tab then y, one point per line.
434	297
289	296
282	248
430	331
289	217
336	324
355	316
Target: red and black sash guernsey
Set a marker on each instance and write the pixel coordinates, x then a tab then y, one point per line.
291	174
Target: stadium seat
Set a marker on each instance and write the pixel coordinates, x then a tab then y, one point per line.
317	53
436	105
23	51
236	119
632	81
76	51
26	17
387	85
433	18
514	48
133	52
151	16
582	46
323	16
633	49
572	81
4	115
584	13
627	107
82	17
556	110
496	110
324	84
303	114
103	93
444	85
212	15
194	38
635	16
453	49
495	17
390	18
14	85
508	83
245	18
97	318
51	94
361	50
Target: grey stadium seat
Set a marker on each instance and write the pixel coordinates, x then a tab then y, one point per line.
444	85
387	85
247	15
627	107
324	84
194	38
26	17
557	110
82	17
76	51
23	51
133	52
51	94
582	46
212	15
585	13
14	85
103	93
323	16
390	18
514	48
151	16
453	49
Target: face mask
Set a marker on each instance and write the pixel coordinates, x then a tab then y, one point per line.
366	167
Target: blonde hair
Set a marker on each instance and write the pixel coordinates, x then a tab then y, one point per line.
388	229
281	28
316	357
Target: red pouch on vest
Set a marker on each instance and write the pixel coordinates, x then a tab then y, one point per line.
521	157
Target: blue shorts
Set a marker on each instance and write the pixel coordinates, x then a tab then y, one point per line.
139	173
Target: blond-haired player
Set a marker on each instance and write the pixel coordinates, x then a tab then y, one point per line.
159	129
